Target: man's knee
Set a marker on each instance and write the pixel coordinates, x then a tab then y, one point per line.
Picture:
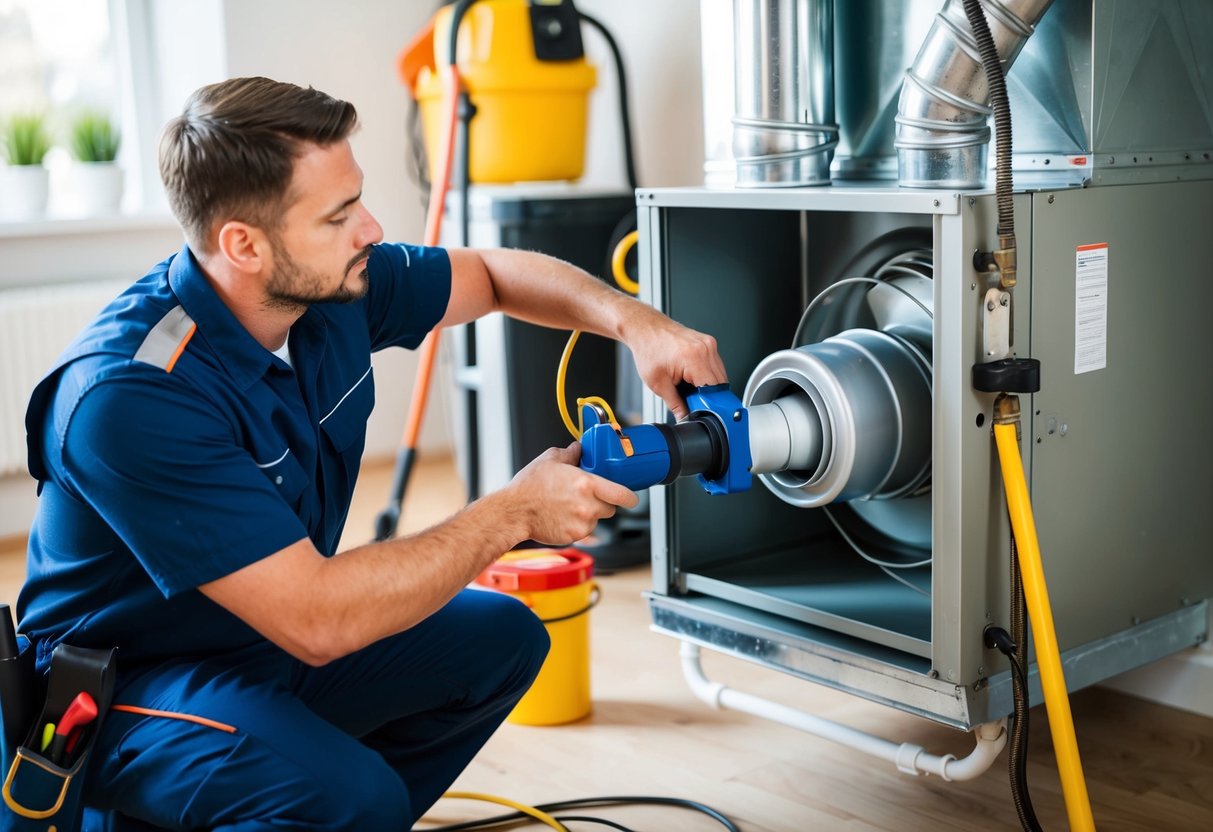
526	636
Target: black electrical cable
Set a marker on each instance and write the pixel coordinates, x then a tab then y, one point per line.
624	118
1018	750
997	83
600	821
1017	759
592	802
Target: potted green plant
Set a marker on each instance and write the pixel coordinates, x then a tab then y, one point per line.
24	141
94	141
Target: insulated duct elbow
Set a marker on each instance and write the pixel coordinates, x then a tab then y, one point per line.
942	131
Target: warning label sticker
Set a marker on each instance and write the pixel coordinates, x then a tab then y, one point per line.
1091	308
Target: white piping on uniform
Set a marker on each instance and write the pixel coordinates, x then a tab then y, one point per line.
275	462
347	394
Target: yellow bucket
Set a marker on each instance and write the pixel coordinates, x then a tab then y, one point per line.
530	122
557	585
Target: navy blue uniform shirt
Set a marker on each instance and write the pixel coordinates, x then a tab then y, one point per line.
172	449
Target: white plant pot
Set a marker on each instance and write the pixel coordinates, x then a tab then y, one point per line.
23	192
98	187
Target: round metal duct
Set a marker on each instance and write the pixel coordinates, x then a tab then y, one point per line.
845	414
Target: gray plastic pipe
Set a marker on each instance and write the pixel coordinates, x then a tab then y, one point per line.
942	136
909	758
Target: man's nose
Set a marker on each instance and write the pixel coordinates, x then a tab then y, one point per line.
370	231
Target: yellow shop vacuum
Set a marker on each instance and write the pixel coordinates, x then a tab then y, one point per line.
525	71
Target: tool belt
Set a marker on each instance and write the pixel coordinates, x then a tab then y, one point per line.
50	724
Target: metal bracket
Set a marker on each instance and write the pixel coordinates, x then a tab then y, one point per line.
996	324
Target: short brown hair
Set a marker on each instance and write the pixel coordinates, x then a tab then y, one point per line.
231	153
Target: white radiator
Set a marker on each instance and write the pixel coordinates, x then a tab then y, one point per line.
35	325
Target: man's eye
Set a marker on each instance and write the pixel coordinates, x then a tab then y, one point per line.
338	221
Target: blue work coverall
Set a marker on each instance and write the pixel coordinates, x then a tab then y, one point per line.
171	449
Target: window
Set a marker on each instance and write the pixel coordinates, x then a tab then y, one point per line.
57	59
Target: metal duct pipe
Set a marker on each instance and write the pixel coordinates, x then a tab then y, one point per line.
942	133
783	128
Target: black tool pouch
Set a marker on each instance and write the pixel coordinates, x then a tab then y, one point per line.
39	794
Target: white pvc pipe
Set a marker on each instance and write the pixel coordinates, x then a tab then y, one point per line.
909	758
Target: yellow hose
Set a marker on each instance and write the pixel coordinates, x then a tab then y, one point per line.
542	817
628	285
562	370
618	257
1048	656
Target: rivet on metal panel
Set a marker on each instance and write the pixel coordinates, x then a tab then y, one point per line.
981	671
934	674
1064	429
1005	300
990	305
1052	199
935	202
972	202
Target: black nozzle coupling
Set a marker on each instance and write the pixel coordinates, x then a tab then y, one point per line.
698	445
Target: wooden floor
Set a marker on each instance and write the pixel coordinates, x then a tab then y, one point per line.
1148	767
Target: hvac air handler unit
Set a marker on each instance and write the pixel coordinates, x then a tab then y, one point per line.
872	346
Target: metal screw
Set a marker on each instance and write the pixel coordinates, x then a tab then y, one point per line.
990	305
736	415
1004	301
552	27
934	674
972	286
981	671
972	202
1052	199
935	202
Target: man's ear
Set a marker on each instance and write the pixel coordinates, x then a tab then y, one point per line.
246	247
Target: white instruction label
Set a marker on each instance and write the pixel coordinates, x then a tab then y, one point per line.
1091	308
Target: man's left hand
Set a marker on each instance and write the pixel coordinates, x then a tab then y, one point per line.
668	353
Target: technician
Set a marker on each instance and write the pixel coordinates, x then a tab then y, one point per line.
196	450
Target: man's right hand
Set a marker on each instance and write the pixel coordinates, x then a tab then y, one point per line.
559	502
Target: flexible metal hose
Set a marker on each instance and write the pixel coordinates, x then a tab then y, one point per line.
1002	114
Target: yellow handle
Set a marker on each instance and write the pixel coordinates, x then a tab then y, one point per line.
1048	655
23	811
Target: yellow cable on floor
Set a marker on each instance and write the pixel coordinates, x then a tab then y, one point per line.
542	817
1048	655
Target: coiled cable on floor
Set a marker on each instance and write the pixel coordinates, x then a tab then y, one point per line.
523	810
592	802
